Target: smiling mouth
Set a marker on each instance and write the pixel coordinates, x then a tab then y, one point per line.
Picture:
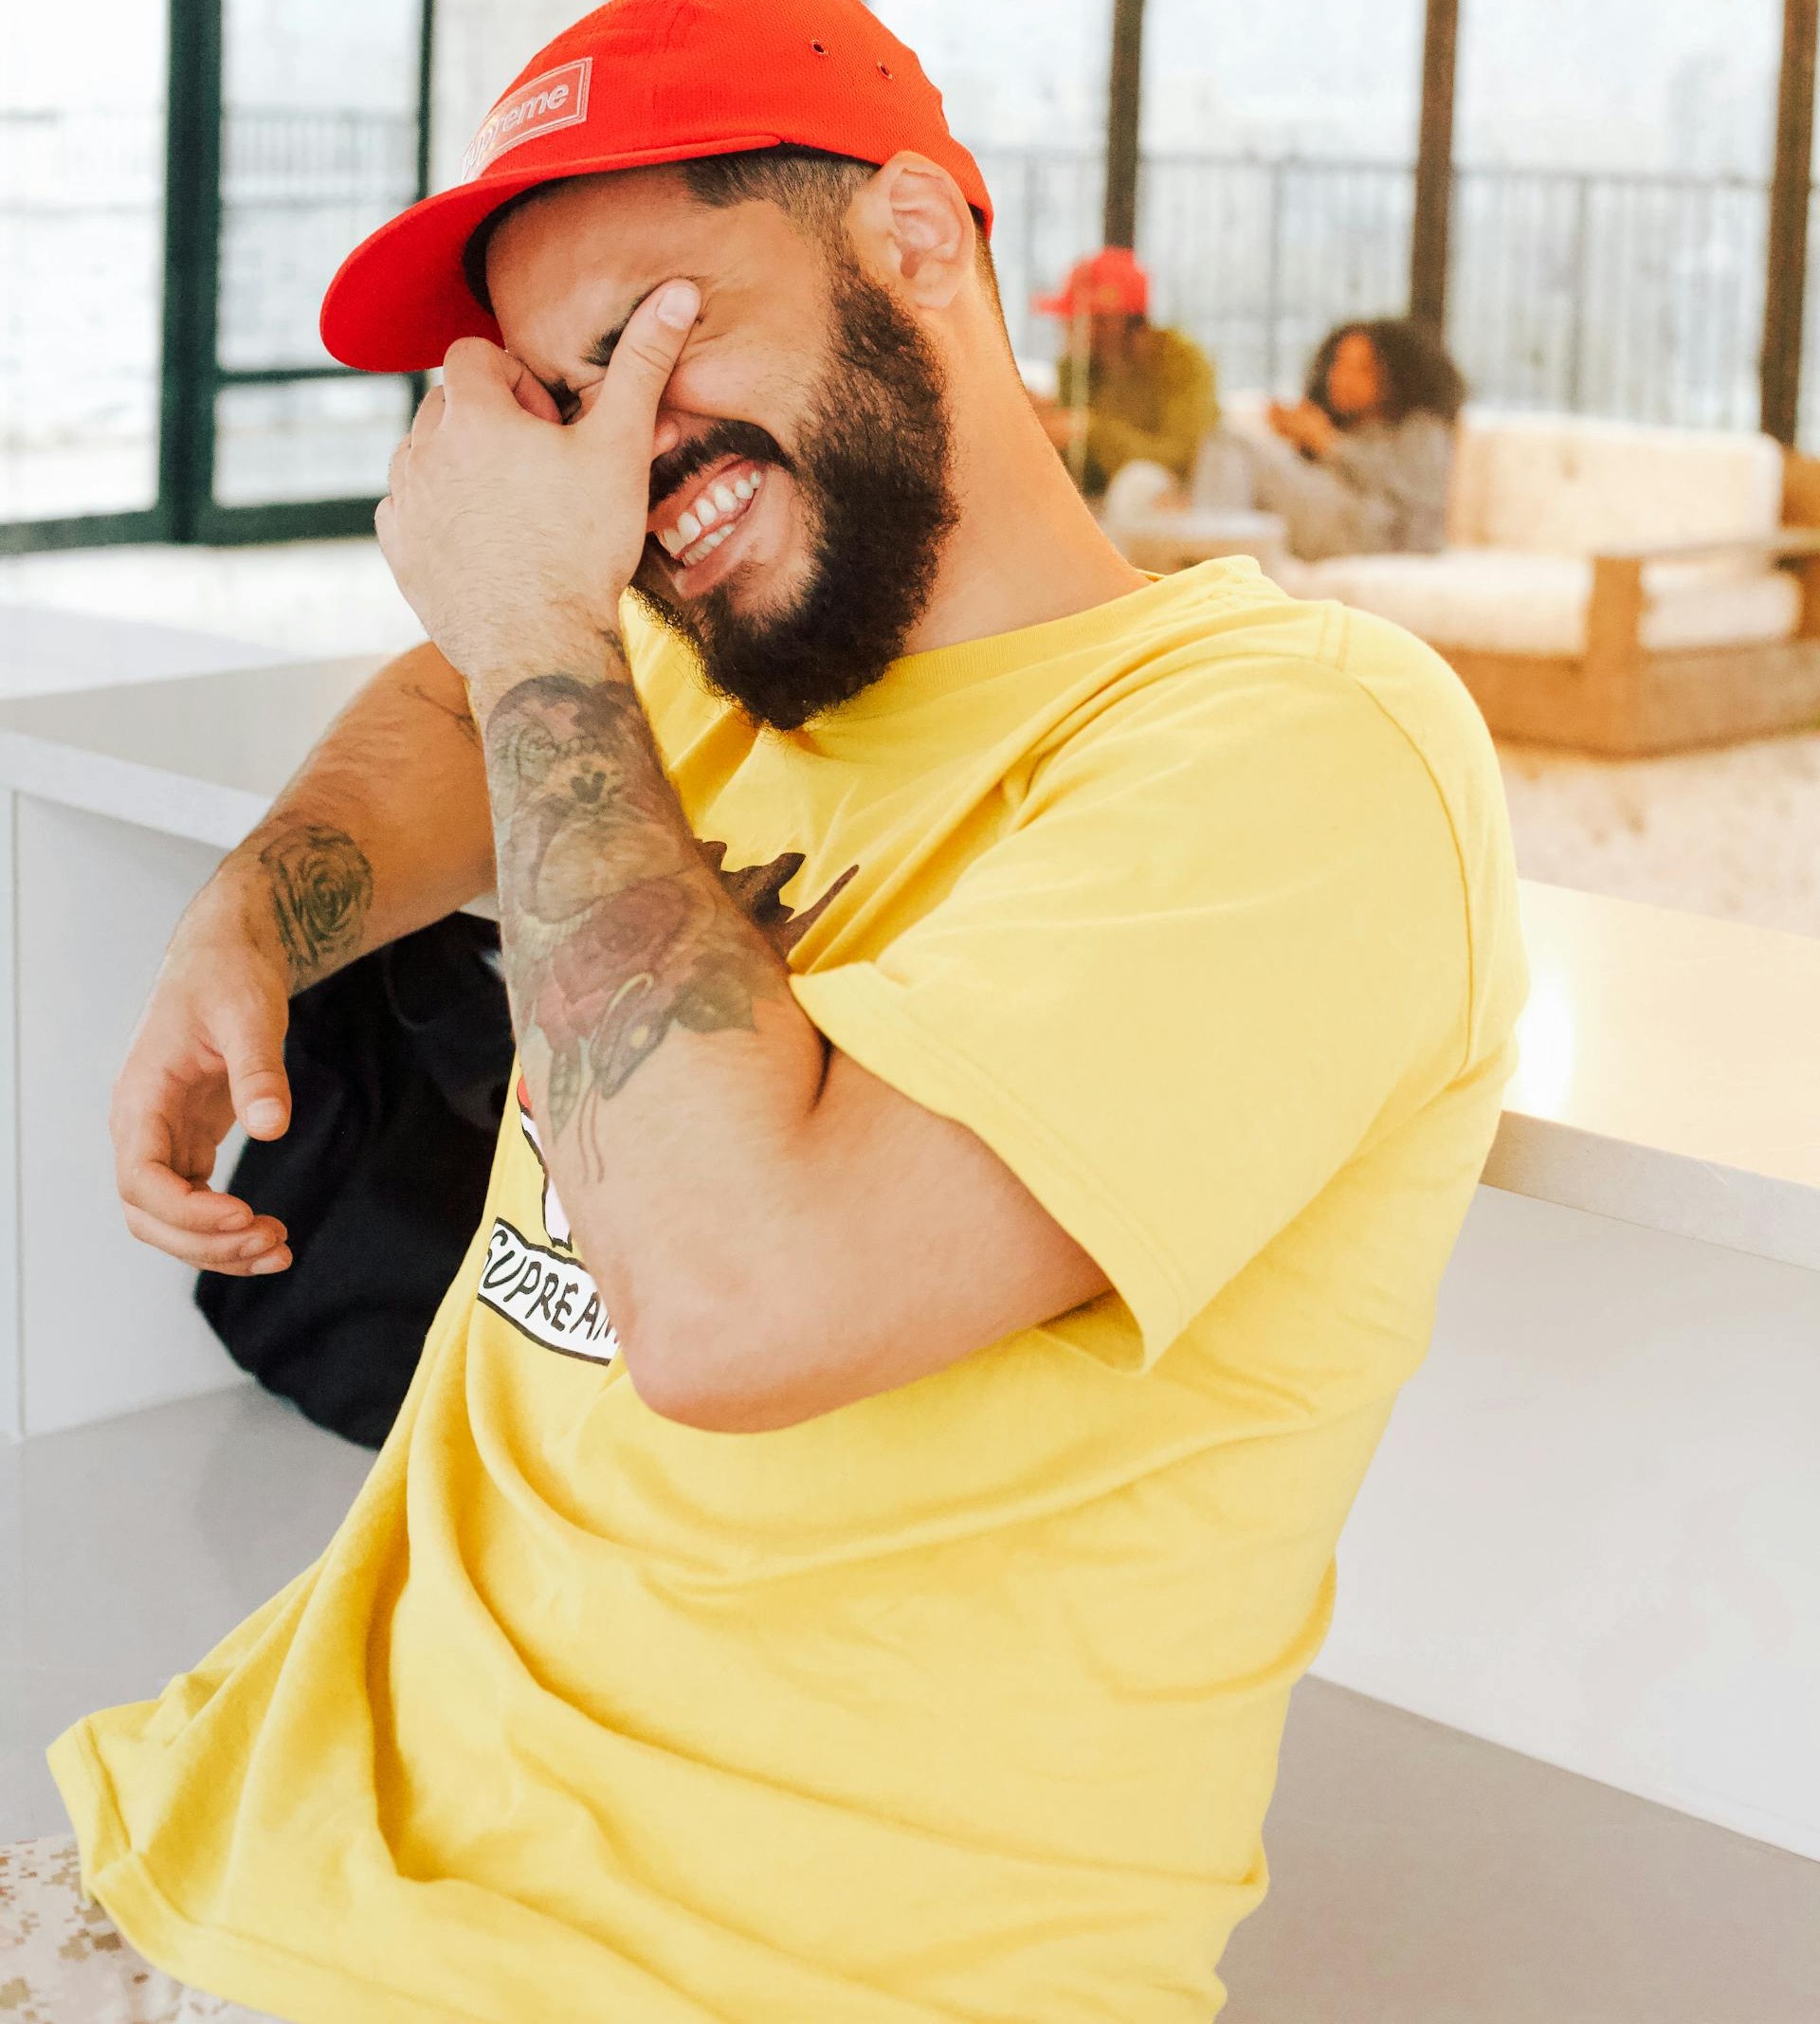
703	514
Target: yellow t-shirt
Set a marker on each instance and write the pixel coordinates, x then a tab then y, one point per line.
962	1702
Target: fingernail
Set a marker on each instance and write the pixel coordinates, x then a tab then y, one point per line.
265	1116
276	1263
678	304
253	1245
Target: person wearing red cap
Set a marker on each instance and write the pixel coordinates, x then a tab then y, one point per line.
1006	1045
1127	391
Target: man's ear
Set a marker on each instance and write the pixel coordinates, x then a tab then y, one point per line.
911	220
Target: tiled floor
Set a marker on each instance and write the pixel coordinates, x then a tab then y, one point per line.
1418	1876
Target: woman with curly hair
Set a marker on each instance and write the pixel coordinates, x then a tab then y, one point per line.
1360	464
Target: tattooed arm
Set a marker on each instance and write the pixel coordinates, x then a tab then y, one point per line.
383	828
774	1232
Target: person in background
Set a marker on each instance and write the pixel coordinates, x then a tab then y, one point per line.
1127	391
1360	464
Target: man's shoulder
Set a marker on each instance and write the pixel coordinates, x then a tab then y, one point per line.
1311	718
1233	642
1234	668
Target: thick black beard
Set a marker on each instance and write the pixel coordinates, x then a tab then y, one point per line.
873	473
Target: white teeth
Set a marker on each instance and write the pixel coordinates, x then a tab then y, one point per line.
690	539
705	547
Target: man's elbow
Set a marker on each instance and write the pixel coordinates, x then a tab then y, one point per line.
706	1361
717	1410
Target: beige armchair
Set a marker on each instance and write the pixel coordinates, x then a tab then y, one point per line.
1616	589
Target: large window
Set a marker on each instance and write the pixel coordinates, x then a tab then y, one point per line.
1025	86
319	146
81	235
1611	205
481	46
166	254
1609	241
1276	195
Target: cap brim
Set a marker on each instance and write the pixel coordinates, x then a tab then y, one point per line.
401	298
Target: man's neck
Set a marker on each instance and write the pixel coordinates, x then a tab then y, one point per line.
1026	549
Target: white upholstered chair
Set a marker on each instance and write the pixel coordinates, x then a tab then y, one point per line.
1613	587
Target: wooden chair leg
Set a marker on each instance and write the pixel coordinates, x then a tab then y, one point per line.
1801	508
1613	664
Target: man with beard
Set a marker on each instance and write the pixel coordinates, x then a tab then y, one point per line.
1012	1042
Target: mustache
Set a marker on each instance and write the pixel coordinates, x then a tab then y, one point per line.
718	440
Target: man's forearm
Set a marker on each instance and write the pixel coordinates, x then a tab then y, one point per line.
382	830
669	1064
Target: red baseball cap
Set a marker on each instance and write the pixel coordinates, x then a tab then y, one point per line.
1109	283
637	82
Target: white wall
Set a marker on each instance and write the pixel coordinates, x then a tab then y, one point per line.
104	1323
1592	1530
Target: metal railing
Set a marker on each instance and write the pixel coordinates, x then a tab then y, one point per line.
1637	296
297	191
1633	295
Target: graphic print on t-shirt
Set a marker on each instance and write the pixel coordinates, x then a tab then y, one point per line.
541	1287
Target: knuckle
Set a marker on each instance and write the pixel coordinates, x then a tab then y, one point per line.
652	355
127	1112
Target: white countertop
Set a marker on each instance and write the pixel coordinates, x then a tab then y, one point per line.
1671	1062
1670	1073
198	755
46	649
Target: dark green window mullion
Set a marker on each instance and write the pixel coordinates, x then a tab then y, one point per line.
281	376
426	98
192	266
84	530
299	519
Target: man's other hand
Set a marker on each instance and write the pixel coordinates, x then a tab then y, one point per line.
209	1051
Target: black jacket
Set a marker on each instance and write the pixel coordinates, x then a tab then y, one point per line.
398	1066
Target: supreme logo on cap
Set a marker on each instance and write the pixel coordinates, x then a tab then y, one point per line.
540	105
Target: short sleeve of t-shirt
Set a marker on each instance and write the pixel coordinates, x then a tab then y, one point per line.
1222	941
